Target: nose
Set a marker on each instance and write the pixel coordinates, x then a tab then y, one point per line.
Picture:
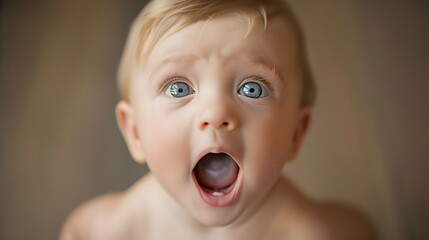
218	114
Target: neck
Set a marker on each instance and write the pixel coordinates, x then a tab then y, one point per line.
266	211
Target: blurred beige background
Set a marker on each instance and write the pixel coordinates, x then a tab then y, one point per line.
59	144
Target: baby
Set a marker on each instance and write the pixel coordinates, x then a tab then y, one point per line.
216	99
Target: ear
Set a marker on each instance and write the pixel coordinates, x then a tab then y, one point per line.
302	125
127	124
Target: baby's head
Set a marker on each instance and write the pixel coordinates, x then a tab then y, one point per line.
216	98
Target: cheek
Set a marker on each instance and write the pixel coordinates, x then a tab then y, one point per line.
268	145
164	139
272	131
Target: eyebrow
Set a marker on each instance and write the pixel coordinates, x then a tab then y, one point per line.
177	58
171	59
269	65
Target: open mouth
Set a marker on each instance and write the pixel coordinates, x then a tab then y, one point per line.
216	175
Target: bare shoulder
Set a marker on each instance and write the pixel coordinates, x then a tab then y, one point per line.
95	219
343	221
328	221
306	219
111	216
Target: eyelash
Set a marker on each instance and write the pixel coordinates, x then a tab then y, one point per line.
176	77
267	83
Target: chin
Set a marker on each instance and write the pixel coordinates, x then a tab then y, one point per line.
219	219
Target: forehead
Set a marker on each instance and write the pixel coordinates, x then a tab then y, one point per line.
233	38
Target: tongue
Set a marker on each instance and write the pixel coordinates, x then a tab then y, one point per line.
216	171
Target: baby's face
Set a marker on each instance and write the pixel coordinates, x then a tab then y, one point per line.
217	113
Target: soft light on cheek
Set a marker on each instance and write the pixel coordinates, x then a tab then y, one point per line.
167	142
166	146
166	129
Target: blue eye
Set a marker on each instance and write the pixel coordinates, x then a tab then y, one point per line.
178	90
252	90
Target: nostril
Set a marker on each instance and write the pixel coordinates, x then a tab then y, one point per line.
203	125
224	125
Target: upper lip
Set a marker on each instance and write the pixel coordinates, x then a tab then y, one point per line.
218	149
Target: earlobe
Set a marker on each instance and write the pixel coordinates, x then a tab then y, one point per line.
303	122
127	124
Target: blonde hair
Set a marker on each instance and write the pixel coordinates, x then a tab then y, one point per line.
160	18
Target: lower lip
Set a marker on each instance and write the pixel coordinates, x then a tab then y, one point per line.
220	199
